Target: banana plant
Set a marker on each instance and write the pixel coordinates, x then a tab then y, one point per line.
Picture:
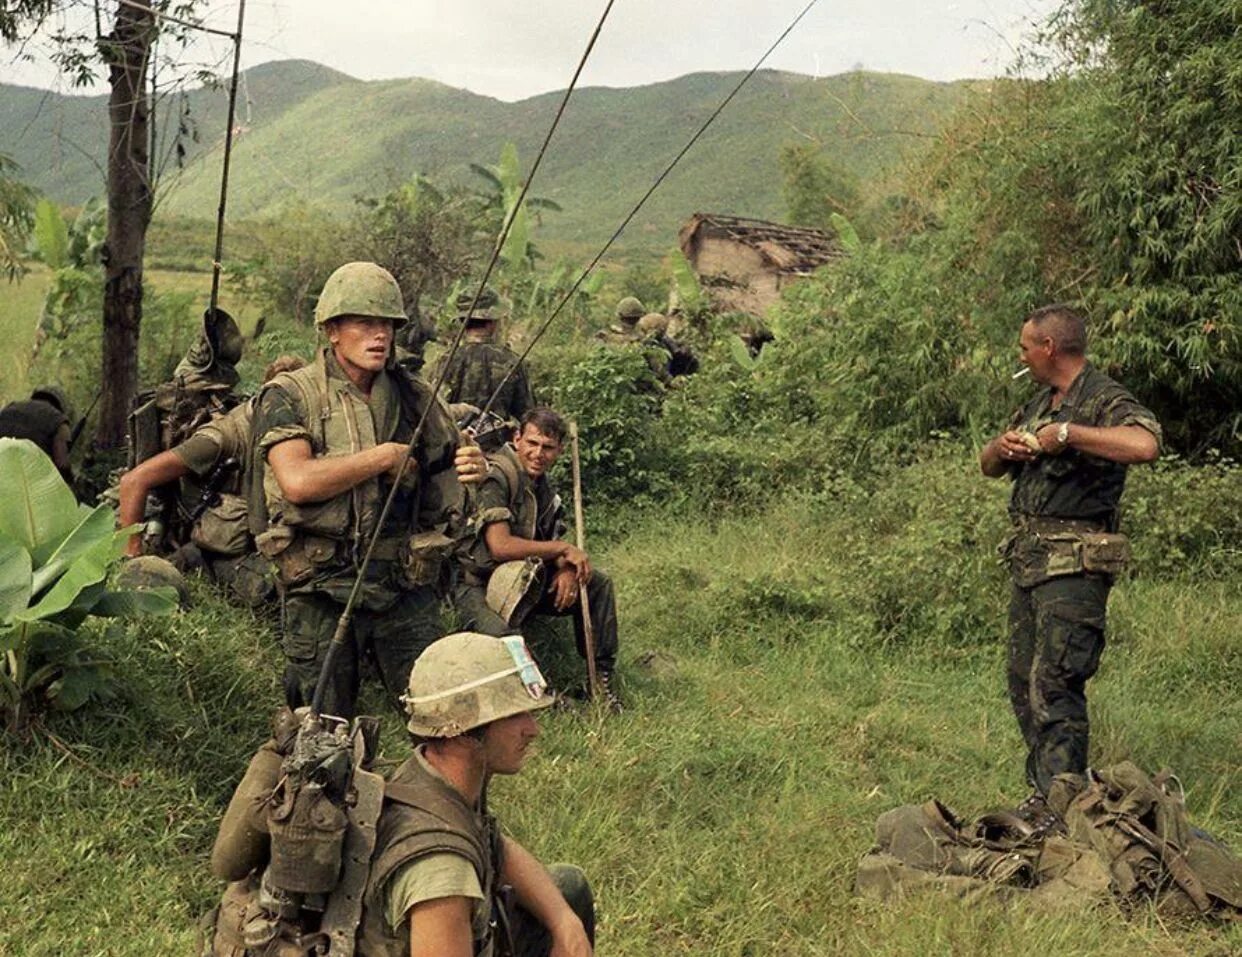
55	556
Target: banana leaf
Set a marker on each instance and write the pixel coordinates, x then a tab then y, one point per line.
15	580
94	527
89	569
37	509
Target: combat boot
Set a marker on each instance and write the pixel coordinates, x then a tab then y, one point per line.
608	690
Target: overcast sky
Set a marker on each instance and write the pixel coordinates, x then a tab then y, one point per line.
512	50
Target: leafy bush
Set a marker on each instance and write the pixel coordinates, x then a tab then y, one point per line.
54	562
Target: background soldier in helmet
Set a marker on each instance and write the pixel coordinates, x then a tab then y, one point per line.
629	310
516	564
211	467
329	441
440	861
44	420
476	370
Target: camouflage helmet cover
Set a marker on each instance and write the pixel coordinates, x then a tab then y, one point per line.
150	571
488	306
653	324
630	308
219	345
514	588
467	680
361	289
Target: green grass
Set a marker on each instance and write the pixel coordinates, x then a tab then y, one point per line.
777	707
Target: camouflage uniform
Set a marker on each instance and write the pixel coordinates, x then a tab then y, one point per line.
475	371
221	532
318	548
1059	506
533	511
480	364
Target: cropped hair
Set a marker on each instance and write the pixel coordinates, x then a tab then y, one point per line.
546	421
1066	327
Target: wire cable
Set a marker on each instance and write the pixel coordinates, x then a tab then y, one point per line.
639	205
342	626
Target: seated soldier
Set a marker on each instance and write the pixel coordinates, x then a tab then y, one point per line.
435	883
517	564
211	466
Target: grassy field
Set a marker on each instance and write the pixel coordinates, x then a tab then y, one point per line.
790	675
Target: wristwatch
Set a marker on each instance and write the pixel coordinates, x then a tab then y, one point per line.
1063	435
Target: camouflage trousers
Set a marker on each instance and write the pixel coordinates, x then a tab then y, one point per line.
1056	636
392	638
471	603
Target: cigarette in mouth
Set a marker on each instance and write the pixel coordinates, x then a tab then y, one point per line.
1021	372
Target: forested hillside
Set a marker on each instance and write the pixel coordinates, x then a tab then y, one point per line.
312	135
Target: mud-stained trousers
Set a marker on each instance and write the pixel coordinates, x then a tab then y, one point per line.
471	603
393	637
1056	636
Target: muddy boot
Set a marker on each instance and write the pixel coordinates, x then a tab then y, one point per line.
608	690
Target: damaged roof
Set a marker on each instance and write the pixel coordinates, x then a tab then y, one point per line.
798	250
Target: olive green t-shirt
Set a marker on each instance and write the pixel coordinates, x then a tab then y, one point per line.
433	877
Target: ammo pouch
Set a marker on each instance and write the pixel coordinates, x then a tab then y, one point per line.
1106	553
297	556
424	556
222	528
1071	553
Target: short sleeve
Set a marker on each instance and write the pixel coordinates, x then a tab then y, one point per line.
492	500
278	417
200	452
429	878
1124	409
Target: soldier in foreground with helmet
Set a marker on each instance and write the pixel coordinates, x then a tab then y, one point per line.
44	420
479	366
516	563
438	868
329	442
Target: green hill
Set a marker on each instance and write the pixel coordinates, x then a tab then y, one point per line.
310	134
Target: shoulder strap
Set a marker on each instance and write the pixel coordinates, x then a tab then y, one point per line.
503	460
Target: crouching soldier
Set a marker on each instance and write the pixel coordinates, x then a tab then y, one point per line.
517	565
433	876
211	468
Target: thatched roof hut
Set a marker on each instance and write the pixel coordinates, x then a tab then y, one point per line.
744	263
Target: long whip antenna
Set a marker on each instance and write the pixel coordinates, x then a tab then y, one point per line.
218	255
342	625
639	205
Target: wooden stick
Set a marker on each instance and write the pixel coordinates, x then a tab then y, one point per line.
588	631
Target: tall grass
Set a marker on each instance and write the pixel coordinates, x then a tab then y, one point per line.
790	675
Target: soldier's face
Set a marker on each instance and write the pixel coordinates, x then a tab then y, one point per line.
362	342
1036	351
537	452
505	742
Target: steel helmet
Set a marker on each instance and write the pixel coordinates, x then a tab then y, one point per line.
489	306
150	571
361	289
467	680
514	588
652	324
630	308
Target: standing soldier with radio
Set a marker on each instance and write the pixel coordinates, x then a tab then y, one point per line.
330	440
1066	451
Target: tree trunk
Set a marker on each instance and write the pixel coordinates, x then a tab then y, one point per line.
129	213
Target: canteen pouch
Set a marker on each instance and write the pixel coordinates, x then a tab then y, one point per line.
222	528
424	557
1106	553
